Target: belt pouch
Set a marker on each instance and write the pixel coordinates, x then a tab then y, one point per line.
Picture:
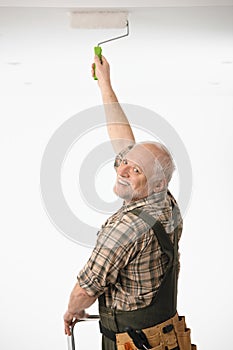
179	324
124	342
170	340
184	339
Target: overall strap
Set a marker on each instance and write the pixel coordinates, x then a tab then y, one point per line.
171	250
163	238
166	297
176	259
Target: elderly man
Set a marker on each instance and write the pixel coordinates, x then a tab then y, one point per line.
134	265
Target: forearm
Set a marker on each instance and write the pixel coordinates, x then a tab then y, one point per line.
119	129
107	92
79	300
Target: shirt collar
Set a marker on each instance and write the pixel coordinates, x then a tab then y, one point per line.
152	199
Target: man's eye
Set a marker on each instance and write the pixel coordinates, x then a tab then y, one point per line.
117	162
124	161
135	170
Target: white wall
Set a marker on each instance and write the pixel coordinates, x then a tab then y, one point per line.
177	62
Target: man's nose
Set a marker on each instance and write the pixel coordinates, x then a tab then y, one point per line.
123	170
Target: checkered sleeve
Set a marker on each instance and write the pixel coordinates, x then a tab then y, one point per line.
114	248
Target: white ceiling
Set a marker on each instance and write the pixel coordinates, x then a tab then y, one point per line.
113	3
191	49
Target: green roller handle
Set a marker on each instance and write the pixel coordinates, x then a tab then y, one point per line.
98	52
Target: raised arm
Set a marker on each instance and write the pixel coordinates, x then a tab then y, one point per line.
119	129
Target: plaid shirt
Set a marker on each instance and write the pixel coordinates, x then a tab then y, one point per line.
127	263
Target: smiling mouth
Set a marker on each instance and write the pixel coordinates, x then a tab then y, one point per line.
124	183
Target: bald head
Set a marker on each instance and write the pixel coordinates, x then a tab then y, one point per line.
154	159
164	165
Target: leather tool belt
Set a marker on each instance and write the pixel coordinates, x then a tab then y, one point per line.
169	335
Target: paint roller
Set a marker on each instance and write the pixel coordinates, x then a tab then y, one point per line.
100	20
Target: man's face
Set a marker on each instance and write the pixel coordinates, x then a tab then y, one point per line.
134	174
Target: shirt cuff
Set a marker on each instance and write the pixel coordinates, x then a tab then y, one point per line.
90	282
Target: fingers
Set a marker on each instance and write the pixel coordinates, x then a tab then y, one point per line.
102	70
68	322
98	61
71	319
69	325
101	62
67	328
93	69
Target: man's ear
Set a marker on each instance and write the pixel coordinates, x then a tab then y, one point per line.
159	185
